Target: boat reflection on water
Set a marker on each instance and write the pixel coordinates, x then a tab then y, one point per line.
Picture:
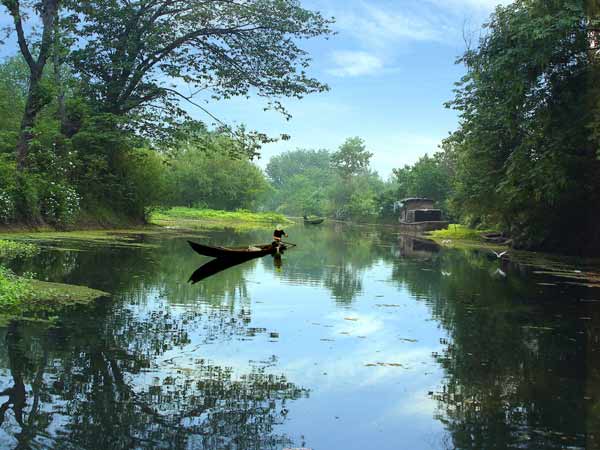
213	267
277	262
416	248
220	264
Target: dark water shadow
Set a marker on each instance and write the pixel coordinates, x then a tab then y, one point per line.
215	266
220	264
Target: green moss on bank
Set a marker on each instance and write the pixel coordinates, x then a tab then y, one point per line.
23	298
457	235
181	217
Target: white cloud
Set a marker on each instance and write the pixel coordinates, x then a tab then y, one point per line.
381	27
482	6
355	63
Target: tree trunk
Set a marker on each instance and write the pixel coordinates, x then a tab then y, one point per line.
32	108
35	101
61	111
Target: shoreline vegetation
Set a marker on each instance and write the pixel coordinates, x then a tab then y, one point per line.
457	235
24	297
183	217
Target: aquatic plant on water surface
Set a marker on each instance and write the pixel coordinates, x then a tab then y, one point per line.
13	289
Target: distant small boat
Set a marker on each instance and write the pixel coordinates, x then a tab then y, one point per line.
252	251
308	221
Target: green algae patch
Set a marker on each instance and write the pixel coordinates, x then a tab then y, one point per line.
28	299
461	236
63	294
74	240
558	269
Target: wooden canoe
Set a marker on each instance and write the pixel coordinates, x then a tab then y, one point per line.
253	251
313	221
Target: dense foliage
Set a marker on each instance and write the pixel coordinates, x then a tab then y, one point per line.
336	184
430	176
91	125
526	152
207	176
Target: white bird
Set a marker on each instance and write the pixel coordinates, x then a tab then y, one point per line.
446	274
500	255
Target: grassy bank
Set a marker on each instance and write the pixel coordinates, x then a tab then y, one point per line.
24	297
461	236
210	218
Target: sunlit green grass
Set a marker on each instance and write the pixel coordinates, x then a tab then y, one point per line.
179	214
460	233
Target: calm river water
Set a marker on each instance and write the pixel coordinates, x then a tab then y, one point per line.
359	338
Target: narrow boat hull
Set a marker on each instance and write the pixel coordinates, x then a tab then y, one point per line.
254	251
313	222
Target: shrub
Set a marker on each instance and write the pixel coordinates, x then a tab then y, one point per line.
59	203
7	207
12	288
11	249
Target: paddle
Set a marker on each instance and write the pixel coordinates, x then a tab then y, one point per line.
289	243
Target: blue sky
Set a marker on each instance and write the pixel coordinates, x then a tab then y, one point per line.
390	69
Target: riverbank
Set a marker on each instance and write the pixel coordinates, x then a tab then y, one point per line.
194	218
24	297
99	220
457	235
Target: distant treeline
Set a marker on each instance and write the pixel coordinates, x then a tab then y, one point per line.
336	184
341	184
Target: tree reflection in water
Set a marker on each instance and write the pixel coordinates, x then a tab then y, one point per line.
520	366
80	387
515	358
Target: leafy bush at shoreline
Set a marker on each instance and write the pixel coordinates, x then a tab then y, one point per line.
12	249
12	288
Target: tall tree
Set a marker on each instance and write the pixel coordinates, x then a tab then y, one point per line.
524	155
281	168
223	48
37	98
352	157
428	177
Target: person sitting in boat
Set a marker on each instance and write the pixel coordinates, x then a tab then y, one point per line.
278	234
